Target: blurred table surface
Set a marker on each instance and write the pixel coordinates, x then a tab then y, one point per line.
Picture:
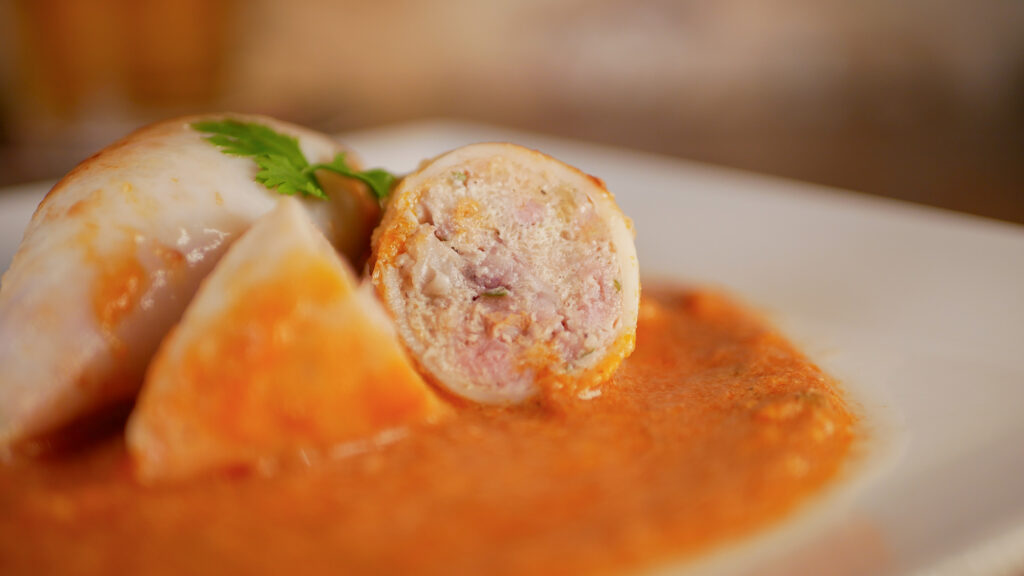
923	101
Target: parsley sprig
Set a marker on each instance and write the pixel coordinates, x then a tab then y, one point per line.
282	165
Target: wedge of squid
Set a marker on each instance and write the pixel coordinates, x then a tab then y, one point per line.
281	355
115	252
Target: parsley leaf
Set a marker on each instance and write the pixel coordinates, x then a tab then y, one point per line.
282	165
252	139
379	180
498	292
277	173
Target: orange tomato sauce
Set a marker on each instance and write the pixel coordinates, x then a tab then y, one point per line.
713	428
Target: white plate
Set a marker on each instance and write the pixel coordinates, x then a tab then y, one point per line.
919	312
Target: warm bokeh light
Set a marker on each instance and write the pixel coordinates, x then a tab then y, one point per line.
917	100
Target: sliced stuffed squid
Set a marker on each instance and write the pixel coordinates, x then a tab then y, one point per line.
280	354
508	273
115	252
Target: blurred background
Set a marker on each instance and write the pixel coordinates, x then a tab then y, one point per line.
921	100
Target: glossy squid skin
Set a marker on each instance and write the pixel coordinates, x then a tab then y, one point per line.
114	253
280	356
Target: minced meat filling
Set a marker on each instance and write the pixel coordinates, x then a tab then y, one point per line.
508	272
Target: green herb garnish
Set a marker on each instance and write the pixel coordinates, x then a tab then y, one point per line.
617	284
498	292
282	166
459	176
379	180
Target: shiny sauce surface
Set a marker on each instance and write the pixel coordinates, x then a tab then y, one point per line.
715	427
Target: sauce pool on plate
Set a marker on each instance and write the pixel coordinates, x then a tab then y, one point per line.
715	427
